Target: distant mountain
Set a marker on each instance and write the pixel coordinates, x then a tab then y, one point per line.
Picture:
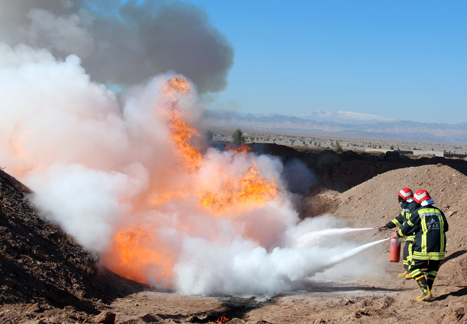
345	124
344	117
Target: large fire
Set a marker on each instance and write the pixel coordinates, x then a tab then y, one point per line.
137	253
249	189
133	181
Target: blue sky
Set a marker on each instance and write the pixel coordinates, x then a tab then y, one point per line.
405	60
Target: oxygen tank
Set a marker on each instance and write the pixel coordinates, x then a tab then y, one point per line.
395	250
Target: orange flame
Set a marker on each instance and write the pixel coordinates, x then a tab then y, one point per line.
182	135
181	132
250	189
177	84
242	149
135	253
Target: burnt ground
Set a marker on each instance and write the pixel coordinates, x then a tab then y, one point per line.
45	277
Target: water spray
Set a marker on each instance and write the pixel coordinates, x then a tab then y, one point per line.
313	238
344	256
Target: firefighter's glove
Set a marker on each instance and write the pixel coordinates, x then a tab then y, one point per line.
383	228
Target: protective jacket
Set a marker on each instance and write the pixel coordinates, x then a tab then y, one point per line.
407	208
430	226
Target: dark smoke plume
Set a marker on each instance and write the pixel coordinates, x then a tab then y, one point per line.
123	44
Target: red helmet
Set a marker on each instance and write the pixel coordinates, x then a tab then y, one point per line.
421	195
405	193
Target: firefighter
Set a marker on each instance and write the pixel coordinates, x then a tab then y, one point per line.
405	197
429	248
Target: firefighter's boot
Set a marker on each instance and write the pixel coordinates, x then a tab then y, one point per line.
426	293
430	281
403	274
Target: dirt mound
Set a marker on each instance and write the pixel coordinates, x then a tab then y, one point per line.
42	264
321	201
338	171
345	170
374	203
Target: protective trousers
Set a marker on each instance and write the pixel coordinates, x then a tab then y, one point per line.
407	254
431	267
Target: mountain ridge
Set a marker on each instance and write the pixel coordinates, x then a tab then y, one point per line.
387	129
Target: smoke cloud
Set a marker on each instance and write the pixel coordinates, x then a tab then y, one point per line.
131	178
123	182
299	177
123	43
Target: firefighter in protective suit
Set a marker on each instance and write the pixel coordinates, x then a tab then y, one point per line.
429	248
405	197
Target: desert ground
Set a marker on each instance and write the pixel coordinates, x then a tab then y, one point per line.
307	141
45	277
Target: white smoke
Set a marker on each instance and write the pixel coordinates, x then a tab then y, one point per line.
238	266
98	168
87	203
